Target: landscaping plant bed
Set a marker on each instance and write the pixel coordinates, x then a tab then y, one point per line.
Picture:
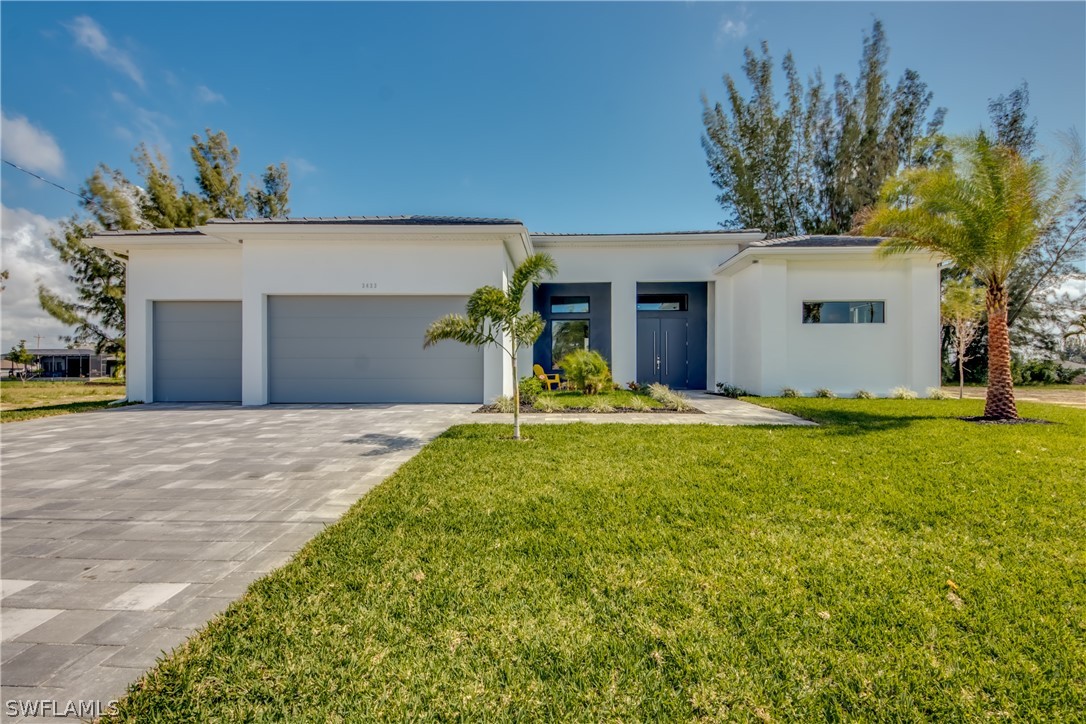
612	401
1000	421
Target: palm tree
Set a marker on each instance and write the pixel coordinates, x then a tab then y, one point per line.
982	210
494	317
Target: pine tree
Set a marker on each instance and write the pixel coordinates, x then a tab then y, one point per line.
113	203
165	206
1010	118
816	164
270	202
217	175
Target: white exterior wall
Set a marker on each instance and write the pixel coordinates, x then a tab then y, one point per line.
170	275
774	349
623	266
744	347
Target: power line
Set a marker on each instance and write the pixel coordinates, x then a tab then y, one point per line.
51	183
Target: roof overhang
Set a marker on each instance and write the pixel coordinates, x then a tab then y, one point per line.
754	254
697	238
222	235
121	242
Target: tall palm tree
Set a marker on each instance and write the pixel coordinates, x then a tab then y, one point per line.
494	317
982	210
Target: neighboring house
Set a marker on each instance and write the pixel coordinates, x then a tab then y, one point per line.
74	363
9	368
334	309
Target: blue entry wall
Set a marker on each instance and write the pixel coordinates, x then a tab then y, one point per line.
598	316
697	318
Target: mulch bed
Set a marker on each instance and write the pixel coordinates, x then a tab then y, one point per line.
581	410
1000	421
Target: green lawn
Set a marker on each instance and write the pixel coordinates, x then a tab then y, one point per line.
41	398
893	564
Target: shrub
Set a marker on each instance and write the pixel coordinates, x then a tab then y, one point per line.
902	393
599	404
637	404
789	392
863	395
669	398
635	386
504	404
546	404
823	392
587	371
530	388
1041	372
730	390
936	393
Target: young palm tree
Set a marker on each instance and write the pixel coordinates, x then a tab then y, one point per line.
494	317
982	211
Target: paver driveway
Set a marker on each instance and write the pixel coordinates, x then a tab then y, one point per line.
124	531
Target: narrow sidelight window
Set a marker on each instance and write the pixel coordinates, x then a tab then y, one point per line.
844	312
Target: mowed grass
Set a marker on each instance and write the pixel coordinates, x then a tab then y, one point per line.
894	564
40	398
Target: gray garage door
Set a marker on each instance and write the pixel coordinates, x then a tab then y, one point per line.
197	351
367	349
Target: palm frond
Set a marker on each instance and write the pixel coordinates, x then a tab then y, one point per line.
487	303
528	327
983	211
457	328
531	271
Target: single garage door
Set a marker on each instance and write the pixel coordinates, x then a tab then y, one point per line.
197	351
367	349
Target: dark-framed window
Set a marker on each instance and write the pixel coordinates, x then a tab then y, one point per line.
858	312
663	302
568	335
569	305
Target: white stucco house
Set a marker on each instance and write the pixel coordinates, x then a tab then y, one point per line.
333	309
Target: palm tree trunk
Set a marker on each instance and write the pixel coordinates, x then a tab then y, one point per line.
999	402
516	399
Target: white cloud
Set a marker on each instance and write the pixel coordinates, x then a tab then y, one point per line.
732	27
29	146
142	124
89	34
300	166
206	95
29	258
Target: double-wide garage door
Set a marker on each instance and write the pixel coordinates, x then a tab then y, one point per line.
367	349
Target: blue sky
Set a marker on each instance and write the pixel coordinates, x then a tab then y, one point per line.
570	117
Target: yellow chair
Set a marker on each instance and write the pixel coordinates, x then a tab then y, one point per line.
551	381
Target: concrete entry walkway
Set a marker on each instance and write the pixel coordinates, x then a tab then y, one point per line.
716	410
124	531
